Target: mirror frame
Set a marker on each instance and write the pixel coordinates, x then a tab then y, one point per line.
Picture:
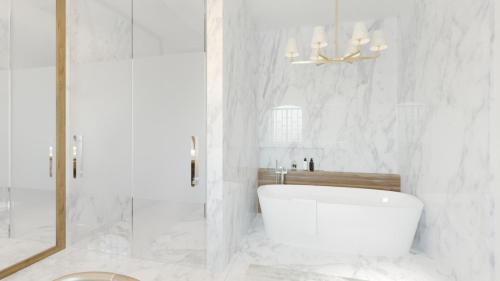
60	147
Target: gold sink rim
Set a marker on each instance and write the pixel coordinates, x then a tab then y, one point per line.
96	276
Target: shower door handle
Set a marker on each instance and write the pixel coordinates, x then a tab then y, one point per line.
74	168
77	153
194	162
51	162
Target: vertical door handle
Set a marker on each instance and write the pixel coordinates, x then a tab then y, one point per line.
51	162
75	154
194	162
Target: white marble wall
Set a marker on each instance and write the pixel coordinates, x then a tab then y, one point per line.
444	130
495	137
348	111
240	122
216	253
232	132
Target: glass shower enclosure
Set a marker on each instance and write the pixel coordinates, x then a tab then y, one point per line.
137	117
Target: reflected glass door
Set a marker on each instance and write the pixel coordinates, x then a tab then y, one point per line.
27	128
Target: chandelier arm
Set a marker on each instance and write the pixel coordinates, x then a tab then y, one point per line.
369	57
353	55
358	59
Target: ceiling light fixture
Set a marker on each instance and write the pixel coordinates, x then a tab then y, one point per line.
360	38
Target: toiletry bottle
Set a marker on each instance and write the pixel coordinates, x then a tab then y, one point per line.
305	167
311	165
294	165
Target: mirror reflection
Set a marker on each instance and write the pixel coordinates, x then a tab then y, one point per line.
27	128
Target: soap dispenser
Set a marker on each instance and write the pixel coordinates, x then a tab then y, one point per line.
311	165
305	167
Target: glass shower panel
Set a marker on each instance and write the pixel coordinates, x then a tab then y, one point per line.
101	108
169	131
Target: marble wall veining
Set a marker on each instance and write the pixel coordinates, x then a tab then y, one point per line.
445	129
495	137
348	112
240	153
216	254
422	110
232	131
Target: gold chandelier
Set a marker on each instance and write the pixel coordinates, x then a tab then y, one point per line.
360	38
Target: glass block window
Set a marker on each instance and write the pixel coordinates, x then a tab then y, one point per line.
287	124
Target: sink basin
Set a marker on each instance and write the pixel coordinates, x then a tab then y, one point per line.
96	276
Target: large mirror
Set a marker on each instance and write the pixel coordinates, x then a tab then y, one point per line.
30	109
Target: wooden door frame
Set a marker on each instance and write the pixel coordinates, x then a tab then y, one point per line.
60	147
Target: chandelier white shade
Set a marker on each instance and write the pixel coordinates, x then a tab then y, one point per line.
354	52
292	51
360	35
378	42
319	38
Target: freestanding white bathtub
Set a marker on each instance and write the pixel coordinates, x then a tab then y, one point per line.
341	220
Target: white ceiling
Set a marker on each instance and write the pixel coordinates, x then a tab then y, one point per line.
272	14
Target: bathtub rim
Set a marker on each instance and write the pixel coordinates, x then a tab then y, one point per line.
419	204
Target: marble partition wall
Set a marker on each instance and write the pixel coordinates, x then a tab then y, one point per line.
240	153
495	137
445	127
344	115
232	131
216	256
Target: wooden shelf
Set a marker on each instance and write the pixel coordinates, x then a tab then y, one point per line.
390	182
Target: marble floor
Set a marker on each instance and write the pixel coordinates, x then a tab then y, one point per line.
258	259
15	250
27	223
178	239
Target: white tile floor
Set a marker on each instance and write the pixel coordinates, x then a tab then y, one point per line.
258	260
